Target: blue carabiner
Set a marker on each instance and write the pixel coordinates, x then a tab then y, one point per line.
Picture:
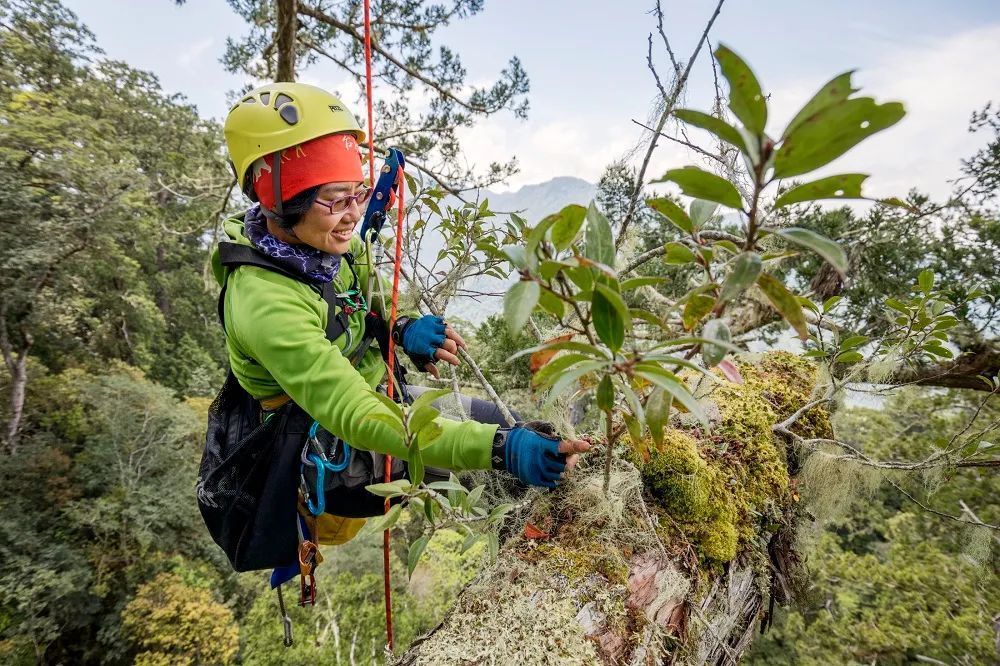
320	506
330	466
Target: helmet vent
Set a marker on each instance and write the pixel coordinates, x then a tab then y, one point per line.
265	97
281	98
289	114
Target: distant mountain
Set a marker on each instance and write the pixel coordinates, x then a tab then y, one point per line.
533	202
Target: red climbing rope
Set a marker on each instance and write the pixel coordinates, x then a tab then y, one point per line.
395	299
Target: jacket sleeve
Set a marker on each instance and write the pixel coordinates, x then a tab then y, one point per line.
284	331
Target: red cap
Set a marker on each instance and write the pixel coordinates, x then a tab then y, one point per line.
333	158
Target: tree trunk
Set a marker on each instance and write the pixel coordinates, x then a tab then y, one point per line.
287	25
680	563
18	369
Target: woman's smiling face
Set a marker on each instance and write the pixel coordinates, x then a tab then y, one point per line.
328	231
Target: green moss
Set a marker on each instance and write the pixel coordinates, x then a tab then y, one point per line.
725	487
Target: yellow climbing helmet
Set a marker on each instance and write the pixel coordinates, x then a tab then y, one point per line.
278	116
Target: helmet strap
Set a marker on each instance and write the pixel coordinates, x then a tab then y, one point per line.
276	180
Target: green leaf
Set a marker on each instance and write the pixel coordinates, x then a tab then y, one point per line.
536	236
746	269
633	426
701	211
821	245
720	128
420	417
394	489
746	100
389	420
830	303
390	403
607	321
616	301
470	541
416	464
844	186
926	280
428	434
832	131
499	512
701	184
554	368
835	91
384	522
567	226
518	303
669	382
670	210
697	308
600	245
853	342
849	357
605	394
427	398
475	495
785	303
493	542
446	485
416	550
658	413
571	376
715	329
517	255
678	254
566	345
551	303
582	277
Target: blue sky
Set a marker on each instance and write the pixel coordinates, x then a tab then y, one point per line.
587	64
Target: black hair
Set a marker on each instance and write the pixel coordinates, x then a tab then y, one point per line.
293	209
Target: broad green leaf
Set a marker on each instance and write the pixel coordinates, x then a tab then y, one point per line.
571	376
785	303
517	255
551	303
427	398
849	357
390	403
536	236
568	226
384	522
701	184
830	303
926	280
470	541
415	462
446	485
389	420
633	426
635	283
670	383
697	308
844	186
428	434
633	400
616	301
678	253
746	268
702	211
416	550
394	489
658	413
605	394
821	245
715	329
648	317
676	361
853	342
566	345
493	543
720	128
556	367
746	100
835	91
607	321
581	277
727	245
668	209
420	417
518	303
600	244
475	495
832	131
499	512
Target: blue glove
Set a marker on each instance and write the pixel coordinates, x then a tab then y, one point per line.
421	338
532	455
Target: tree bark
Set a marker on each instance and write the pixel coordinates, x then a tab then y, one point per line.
18	369
287	25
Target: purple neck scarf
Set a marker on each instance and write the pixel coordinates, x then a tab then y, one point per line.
315	265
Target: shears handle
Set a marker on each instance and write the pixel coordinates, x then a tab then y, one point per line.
382	197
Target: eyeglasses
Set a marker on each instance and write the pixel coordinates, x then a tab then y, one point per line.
341	204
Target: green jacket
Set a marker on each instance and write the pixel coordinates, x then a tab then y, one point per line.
275	334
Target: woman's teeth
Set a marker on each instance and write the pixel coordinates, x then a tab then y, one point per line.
343	235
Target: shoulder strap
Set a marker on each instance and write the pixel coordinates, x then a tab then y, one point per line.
234	255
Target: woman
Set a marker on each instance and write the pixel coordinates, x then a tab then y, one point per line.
294	149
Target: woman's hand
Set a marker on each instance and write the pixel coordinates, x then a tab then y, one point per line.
448	351
428	340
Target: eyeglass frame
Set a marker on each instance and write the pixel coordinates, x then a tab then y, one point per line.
356	197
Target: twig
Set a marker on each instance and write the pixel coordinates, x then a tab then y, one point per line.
664	115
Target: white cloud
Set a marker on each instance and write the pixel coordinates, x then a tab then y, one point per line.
194	56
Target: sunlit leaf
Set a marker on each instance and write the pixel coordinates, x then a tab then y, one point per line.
836	90
720	128
821	245
678	253
428	397
746	100
672	212
926	281
702	184
416	550
551	303
518	303
567	227
843	186
696	308
746	268
387	419
600	243
785	303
